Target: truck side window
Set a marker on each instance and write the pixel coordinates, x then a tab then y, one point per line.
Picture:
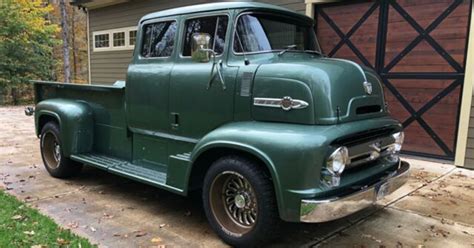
216	26
158	39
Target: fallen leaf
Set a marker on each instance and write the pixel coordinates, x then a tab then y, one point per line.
17	217
30	233
156	240
73	225
93	229
38	246
107	216
139	233
61	241
372	238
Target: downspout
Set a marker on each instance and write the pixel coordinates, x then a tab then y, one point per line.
88	48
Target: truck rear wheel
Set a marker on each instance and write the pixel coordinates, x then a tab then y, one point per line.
239	202
51	151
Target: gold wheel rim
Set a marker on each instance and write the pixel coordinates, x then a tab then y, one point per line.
51	150
233	203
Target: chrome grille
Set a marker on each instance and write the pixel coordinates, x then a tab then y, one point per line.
369	151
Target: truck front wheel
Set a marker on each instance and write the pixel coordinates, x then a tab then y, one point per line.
239	201
51	151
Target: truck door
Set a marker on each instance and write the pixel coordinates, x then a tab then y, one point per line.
198	106
148	90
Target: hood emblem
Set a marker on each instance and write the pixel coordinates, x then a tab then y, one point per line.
368	88
286	103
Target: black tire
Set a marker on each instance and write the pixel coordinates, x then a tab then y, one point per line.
54	161
258	207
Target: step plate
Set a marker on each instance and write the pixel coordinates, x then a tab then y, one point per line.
141	172
153	174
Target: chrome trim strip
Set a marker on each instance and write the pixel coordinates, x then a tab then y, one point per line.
286	103
338	207
163	135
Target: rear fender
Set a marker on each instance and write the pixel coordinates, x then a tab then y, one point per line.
75	120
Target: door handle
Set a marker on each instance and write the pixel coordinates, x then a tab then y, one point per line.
174	120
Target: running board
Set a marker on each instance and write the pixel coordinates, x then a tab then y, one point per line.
154	175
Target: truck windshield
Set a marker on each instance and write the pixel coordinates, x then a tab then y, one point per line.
259	32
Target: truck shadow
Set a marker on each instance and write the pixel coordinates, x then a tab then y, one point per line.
185	215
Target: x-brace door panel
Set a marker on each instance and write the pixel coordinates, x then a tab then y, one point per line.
418	48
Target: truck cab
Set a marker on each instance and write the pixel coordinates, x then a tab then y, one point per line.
236	100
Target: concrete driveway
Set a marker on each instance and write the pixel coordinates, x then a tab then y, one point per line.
436	208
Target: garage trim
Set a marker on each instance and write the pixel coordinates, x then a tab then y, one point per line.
467	94
310	5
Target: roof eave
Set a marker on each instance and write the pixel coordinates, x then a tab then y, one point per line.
95	4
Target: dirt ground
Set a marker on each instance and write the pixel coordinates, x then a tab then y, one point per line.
435	209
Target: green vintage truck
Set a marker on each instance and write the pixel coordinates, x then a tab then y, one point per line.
236	100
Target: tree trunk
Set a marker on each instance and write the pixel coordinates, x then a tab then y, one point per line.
65	37
74	47
14	95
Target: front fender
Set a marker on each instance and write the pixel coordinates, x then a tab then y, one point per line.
293	153
75	121
293	157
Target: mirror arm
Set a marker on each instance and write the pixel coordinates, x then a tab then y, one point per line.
211	76
219	73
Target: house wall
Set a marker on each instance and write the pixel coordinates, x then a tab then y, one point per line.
110	66
470	140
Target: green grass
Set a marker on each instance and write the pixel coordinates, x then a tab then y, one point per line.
22	226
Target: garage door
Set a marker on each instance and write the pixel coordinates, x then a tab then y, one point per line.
419	50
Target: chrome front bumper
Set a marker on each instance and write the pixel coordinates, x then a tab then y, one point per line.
338	207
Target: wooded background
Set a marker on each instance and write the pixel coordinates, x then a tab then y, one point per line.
40	39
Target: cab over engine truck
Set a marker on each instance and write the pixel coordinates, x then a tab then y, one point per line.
236	100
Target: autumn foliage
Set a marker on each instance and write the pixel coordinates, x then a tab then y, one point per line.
27	39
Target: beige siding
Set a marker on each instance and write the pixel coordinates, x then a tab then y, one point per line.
109	66
470	140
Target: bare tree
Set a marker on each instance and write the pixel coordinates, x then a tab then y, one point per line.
65	38
74	47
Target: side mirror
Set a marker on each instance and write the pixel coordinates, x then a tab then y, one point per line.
200	43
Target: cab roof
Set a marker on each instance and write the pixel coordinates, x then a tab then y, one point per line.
220	6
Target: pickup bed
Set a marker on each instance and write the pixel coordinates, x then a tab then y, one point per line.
236	100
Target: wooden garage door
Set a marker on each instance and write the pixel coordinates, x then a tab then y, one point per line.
418	48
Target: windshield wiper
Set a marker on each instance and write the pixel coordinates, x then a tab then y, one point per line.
287	48
314	51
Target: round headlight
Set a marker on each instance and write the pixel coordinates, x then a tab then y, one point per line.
338	160
399	138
